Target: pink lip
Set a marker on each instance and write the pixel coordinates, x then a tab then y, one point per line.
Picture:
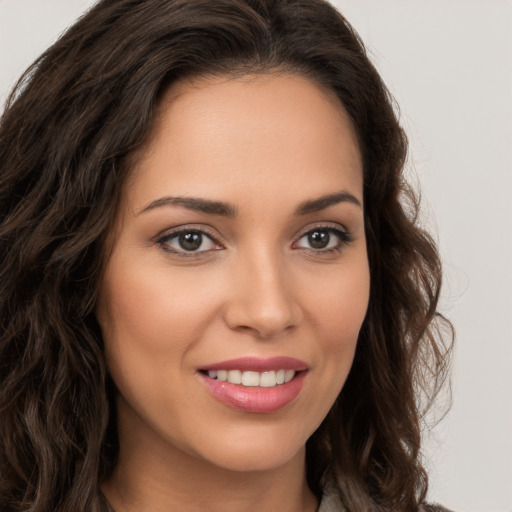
254	399
257	364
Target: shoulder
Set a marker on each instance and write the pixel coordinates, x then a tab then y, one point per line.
433	508
330	503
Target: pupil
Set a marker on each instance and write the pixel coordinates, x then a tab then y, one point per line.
319	239
190	241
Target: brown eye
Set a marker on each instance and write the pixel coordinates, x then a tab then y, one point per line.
324	239
319	239
190	241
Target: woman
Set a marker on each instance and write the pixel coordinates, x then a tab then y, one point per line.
214	293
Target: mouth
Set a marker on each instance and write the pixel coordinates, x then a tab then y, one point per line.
255	385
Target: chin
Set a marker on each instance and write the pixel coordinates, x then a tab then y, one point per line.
253	453
252	461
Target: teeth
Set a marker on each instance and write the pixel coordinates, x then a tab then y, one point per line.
268	380
235	376
253	379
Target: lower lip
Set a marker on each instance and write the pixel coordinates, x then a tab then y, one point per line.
255	399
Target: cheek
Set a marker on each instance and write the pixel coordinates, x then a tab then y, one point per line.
339	312
149	322
147	307
342	303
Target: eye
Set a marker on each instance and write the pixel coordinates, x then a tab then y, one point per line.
188	242
324	239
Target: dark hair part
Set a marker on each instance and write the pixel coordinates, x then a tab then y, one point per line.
66	137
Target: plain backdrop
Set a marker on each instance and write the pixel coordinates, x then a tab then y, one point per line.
449	65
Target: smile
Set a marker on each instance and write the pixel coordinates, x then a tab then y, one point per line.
255	385
267	379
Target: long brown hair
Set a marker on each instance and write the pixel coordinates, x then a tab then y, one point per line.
66	136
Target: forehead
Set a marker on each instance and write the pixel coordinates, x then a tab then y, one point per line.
221	134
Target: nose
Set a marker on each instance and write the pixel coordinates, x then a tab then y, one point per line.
263	300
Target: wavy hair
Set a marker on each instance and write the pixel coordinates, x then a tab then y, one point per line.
66	137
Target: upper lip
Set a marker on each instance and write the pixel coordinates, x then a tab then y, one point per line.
258	364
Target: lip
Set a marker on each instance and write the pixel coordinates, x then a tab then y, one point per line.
258	364
255	399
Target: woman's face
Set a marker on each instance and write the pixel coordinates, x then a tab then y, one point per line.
240	255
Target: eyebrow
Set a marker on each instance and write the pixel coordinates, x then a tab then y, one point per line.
193	203
324	202
210	207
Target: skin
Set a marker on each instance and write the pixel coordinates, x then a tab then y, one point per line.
265	144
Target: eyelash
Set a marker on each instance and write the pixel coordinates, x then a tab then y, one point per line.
164	241
343	236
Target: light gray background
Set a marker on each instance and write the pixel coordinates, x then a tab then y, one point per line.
449	65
